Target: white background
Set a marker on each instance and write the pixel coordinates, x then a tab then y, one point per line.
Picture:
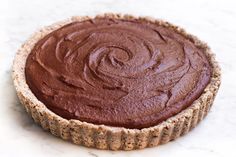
211	20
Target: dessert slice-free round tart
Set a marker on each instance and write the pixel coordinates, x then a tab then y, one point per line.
116	81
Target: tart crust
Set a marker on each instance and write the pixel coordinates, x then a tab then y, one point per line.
107	137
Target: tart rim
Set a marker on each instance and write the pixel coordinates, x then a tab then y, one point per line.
109	137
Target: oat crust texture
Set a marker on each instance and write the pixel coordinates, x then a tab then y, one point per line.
107	137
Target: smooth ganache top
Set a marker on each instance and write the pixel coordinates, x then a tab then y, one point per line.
123	73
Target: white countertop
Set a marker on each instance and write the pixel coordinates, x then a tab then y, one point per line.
212	21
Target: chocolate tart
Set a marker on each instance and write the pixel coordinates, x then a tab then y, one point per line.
116	81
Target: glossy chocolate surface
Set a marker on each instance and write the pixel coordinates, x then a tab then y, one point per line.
124	73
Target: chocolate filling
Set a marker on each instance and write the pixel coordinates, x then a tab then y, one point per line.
124	73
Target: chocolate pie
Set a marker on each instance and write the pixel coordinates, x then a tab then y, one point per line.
116	81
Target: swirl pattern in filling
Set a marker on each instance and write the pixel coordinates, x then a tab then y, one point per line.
123	73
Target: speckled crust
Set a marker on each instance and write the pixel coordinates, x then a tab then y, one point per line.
106	137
